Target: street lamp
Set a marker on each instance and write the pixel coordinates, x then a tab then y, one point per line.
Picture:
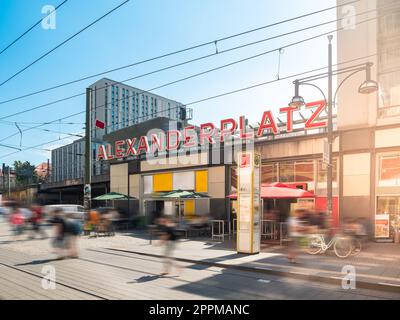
367	87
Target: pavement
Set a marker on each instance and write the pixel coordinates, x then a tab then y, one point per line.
377	266
127	266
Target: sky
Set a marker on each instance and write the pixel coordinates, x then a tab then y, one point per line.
143	29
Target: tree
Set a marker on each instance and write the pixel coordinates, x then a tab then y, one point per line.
24	173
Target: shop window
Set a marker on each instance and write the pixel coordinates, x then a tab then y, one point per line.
387	218
286	172
304	171
269	173
322	171
389	173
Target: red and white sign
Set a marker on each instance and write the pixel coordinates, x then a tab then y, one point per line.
173	139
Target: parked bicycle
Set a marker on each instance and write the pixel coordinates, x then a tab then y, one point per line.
343	246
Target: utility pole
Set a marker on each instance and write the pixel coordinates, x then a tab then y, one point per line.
9	182
4	176
330	130
48	171
88	152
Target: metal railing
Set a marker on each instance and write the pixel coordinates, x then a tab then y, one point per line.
270	229
283	232
218	229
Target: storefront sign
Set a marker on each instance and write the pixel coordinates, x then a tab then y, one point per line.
248	219
208	134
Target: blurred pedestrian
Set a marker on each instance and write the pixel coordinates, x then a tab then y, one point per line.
17	220
36	220
168	238
73	229
296	224
67	231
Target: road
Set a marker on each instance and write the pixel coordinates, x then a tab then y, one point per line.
106	274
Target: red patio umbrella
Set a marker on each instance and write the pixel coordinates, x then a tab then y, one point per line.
279	190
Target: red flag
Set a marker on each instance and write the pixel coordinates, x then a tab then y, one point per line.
100	124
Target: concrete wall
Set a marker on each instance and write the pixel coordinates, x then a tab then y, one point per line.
216	182
119	178
295	147
356	110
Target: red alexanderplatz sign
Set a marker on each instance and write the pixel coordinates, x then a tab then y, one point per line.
209	134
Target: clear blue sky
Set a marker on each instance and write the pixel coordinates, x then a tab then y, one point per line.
147	28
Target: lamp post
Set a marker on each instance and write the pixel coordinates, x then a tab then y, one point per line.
367	87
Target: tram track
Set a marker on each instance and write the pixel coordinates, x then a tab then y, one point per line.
40	276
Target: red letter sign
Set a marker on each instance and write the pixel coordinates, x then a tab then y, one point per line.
225	130
207	134
267	125
311	124
289	116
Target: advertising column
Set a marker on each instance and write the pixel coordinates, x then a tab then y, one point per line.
248	219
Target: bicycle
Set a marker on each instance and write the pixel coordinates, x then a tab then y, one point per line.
342	245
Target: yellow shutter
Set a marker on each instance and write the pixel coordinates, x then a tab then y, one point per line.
201	181
189	208
162	182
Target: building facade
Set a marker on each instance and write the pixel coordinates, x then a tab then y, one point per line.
369	126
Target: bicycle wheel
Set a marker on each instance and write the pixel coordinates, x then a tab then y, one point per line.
343	247
357	245
314	245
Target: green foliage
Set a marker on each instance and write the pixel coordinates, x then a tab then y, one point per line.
25	173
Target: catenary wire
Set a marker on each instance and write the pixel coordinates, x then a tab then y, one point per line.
33	26
217	96
169	67
179	51
62	43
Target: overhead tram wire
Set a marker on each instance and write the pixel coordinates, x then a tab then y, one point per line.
32	27
199	58
62	43
45	124
212	97
36	146
180	51
82	112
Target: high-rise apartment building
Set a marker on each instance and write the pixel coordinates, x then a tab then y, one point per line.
116	106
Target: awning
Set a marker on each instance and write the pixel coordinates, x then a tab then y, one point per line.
182	194
280	191
113	196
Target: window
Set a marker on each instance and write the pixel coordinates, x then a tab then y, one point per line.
389	172
389	87
322	171
390	23
269	173
286	172
304	171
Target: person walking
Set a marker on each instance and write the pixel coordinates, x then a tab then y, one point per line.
296	229
36	220
168	238
17	220
72	229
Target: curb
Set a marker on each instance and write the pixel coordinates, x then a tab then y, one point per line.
380	286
